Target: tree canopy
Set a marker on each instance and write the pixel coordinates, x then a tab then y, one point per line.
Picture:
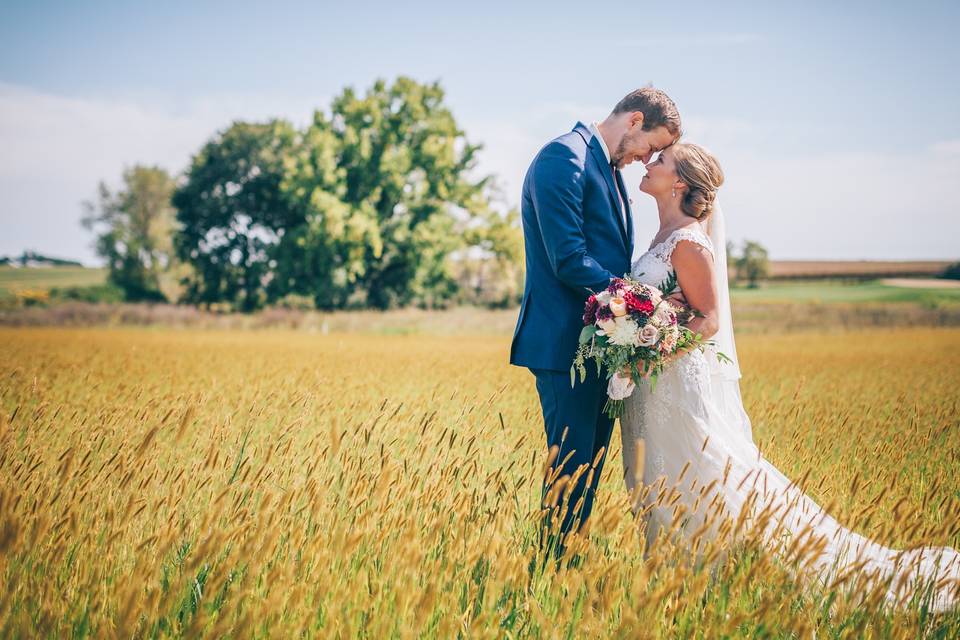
232	213
375	203
134	230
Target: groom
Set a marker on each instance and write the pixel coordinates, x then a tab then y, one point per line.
578	234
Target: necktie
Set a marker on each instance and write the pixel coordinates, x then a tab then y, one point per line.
616	186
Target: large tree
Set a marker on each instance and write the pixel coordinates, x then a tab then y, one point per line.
232	213
387	200
373	204
134	227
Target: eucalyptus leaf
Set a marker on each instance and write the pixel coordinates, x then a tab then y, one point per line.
587	333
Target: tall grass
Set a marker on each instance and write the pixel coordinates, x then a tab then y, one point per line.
283	484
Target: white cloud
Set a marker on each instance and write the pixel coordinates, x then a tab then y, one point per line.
850	204
947	147
55	149
510	145
818	205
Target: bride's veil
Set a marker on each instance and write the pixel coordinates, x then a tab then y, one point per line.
725	376
717	231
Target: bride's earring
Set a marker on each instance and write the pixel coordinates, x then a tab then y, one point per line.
673	194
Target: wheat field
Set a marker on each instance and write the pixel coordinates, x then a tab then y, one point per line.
206	483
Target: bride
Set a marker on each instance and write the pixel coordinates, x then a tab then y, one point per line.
690	462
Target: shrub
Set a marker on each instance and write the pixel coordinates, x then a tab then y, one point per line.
296	302
92	293
33	297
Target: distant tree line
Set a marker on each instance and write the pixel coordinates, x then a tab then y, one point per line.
34	259
375	204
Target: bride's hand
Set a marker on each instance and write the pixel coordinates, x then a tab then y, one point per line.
645	369
673	357
677	297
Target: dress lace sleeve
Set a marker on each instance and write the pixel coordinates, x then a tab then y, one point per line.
693	235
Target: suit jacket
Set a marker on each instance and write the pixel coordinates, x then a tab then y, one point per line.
575	241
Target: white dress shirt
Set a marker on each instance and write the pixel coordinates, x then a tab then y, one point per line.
595	130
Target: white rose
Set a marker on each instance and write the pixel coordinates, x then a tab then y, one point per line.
618	306
620	387
606	325
604	297
624	332
655	296
648	336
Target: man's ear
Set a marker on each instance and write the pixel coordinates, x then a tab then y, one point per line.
636	119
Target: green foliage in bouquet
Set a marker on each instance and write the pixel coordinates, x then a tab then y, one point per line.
642	362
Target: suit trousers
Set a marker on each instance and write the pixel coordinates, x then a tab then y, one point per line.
578	411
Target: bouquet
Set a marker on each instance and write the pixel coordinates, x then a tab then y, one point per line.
630	329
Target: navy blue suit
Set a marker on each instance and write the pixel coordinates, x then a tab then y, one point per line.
575	240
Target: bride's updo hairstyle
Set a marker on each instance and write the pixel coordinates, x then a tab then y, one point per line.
700	171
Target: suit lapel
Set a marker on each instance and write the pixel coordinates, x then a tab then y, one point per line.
604	166
626	233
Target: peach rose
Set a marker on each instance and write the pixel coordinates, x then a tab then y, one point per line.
618	306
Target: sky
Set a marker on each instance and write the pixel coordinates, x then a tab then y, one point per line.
836	123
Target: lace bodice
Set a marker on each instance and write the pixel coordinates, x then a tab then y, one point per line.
655	265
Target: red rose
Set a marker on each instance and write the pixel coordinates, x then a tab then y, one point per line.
636	304
590	311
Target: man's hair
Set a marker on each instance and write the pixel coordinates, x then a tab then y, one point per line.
657	108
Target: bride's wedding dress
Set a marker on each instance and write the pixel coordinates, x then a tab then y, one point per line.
693	442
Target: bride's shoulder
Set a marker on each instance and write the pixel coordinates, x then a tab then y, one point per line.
691	233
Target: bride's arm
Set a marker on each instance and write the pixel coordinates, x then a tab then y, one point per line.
693	264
